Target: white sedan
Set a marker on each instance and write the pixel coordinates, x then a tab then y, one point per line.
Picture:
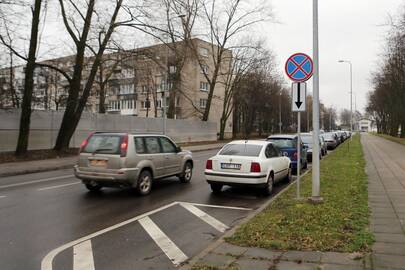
250	163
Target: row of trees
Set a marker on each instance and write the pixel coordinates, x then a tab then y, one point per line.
386	101
93	30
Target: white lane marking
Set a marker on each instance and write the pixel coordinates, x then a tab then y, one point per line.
59	186
83	256
37	181
219	206
169	248
1	197
46	263
218	225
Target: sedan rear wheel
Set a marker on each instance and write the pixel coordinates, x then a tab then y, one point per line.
268	190
216	188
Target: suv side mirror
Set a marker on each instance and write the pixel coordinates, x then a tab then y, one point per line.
178	149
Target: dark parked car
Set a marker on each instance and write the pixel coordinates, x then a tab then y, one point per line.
308	143
288	147
331	140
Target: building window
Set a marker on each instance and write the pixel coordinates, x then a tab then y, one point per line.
204	86
144	89
159	104
126	89
172	69
203	103
204	69
204	52
127	73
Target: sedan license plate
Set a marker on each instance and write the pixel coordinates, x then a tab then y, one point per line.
98	163
230	166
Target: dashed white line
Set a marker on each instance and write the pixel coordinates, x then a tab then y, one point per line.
83	256
218	225
58	186
1	197
169	248
37	181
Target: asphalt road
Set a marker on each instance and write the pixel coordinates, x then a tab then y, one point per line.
49	221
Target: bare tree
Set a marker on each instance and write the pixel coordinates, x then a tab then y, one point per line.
226	21
79	22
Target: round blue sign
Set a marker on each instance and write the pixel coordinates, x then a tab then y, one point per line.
299	67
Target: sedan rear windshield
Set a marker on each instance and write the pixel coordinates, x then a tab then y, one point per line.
307	139
103	144
283	143
246	150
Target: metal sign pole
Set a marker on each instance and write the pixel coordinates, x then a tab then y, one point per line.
299	156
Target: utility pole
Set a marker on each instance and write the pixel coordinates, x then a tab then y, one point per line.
351	94
279	112
315	198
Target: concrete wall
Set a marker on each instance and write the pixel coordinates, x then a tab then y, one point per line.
45	126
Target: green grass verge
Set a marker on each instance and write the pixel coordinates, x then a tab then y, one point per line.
391	138
339	224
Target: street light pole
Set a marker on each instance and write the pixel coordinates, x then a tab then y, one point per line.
279	114
315	198
351	93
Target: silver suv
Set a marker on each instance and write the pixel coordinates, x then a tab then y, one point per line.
122	159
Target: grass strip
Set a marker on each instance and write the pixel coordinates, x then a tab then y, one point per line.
391	138
339	224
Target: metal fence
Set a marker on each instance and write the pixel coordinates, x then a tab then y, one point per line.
45	126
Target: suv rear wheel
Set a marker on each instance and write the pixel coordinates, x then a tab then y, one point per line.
93	186
187	173
216	188
144	184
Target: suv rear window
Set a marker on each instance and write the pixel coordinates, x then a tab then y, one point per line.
246	150
103	144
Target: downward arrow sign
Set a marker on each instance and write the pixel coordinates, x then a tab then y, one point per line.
298	102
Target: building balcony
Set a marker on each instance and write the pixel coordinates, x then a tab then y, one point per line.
129	112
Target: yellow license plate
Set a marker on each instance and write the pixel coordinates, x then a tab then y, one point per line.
96	162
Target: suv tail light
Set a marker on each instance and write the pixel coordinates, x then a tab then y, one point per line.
85	142
255	167
124	146
208	165
295	156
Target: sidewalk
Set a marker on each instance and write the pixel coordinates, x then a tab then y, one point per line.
386	175
26	167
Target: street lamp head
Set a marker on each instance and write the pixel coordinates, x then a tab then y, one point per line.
182	16
341	61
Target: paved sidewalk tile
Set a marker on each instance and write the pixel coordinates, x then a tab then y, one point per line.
389	248
388	261
340	258
390	237
339	267
261	253
284	265
250	264
228	249
215	260
302	256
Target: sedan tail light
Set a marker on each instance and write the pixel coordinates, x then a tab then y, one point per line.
255	167
208	165
124	146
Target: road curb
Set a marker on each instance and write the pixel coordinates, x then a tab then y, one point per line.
218	242
37	170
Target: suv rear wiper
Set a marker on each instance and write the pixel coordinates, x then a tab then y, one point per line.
102	149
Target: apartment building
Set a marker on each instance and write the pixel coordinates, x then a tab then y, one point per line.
139	82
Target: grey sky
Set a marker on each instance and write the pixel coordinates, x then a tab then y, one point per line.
348	29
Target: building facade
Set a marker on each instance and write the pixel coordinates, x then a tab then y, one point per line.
143	82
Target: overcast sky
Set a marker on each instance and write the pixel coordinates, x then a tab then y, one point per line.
348	29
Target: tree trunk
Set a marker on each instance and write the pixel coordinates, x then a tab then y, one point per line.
25	119
101	105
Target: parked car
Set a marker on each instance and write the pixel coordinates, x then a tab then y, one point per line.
331	140
308	142
251	163
324	145
287	144
122	159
